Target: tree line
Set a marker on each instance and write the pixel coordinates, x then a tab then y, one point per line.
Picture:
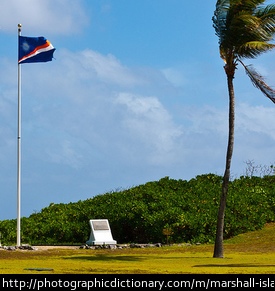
184	210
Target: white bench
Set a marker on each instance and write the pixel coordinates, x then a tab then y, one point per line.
100	233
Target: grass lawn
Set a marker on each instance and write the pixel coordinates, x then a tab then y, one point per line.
250	253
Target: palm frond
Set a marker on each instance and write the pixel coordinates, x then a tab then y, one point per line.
258	82
267	18
252	49
219	18
266	12
245	28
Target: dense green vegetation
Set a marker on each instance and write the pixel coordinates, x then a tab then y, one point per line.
187	209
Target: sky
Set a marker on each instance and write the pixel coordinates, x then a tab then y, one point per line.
136	92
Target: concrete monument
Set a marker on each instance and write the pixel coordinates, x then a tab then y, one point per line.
100	233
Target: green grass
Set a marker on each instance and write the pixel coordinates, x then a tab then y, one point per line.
250	253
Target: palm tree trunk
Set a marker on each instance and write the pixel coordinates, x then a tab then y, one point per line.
218	251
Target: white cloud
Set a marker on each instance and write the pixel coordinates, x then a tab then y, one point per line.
175	76
257	119
83	106
64	153
89	120
108	68
206	134
205	119
51	16
147	120
90	102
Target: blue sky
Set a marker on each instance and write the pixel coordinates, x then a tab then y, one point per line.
136	92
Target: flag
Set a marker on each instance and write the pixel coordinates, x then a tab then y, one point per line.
34	49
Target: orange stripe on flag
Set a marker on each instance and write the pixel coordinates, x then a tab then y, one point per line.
47	44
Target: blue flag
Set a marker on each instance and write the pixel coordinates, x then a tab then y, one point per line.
34	50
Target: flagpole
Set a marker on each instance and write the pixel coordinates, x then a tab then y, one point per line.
19	152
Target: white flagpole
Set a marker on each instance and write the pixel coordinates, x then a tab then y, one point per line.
19	152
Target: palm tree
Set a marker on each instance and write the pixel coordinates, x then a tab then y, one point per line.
245	29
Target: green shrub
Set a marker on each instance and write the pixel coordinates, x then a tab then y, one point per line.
140	214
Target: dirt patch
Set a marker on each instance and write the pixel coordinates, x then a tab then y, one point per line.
46	248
